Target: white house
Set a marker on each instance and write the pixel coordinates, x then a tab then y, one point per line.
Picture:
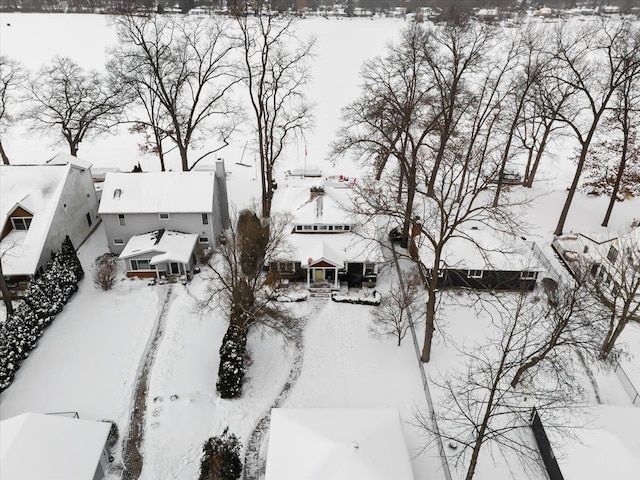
328	245
39	206
34	446
144	214
337	444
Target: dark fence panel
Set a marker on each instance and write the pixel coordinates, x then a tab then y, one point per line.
544	446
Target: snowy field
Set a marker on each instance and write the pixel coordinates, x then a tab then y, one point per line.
88	359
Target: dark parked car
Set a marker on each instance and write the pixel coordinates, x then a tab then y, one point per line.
395	235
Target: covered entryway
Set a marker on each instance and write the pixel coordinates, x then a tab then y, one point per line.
322	269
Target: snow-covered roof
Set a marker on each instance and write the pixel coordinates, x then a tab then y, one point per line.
167	246
34	446
36	189
65	158
483	249
355	245
157	192
337	443
607	447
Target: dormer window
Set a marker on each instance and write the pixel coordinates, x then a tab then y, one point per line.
21	223
164	216
117	193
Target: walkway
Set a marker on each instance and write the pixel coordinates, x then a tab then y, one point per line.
131	452
254	466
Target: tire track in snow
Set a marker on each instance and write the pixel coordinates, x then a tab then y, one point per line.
131	451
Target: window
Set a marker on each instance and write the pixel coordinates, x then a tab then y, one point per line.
322	227
612	256
140	265
121	220
315	227
338	228
89	221
21	223
117	192
164	216
205	219
118	241
330	227
369	269
307	227
474	273
203	240
286	267
528	275
298	228
347	228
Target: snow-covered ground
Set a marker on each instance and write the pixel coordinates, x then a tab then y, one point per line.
88	358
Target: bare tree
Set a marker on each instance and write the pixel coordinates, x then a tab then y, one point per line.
180	71
276	72
393	116
105	271
6	294
479	409
80	105
615	282
594	61
239	280
11	78
391	317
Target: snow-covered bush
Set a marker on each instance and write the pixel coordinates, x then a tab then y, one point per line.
293	296
231	370
105	271
42	300
221	458
373	298
114	434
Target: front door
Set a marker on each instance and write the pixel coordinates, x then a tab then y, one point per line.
318	274
174	268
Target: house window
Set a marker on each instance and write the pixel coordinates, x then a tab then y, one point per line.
474	273
121	220
286	267
315	227
338	228
347	228
330	227
322	227
21	223
298	228
89	221
117	192
203	240
369	269
205	219
307	227
164	216
528	275
612	256
140	265
118	241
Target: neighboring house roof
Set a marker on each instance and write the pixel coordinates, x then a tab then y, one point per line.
34	446
328	208
157	192
337	443
166	245
37	189
65	158
483	249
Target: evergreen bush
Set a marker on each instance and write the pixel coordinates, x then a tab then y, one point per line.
231	370
221	458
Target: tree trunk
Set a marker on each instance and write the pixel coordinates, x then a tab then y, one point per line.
6	295
621	167
73	149
430	314
3	154
539	153
610	339
184	158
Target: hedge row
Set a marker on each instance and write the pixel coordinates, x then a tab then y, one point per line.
42	300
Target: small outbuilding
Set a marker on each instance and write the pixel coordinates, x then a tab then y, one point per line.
337	443
35	446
